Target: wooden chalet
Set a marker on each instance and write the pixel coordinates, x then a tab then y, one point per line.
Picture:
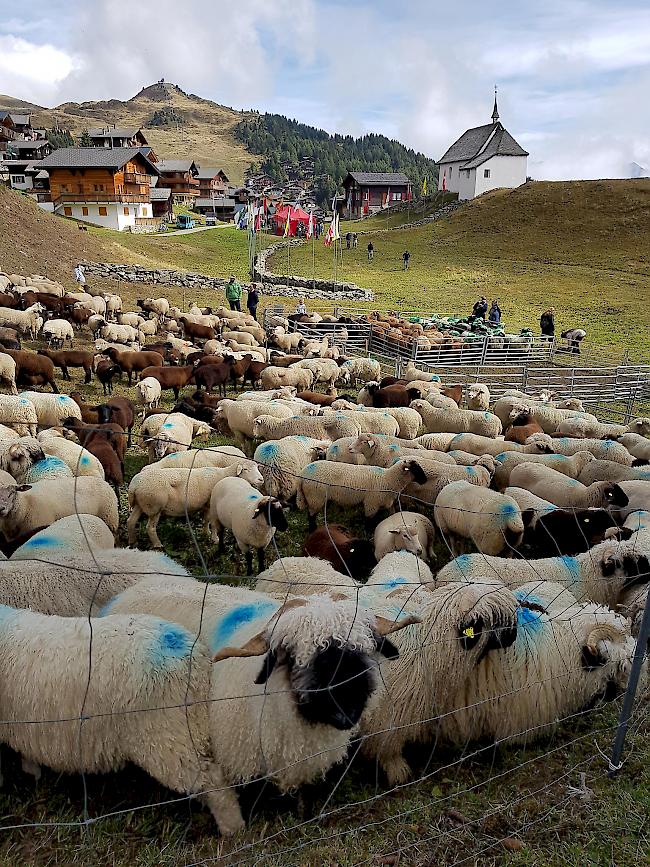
212	180
104	186
182	178
28	150
162	204
117	137
21	123
369	192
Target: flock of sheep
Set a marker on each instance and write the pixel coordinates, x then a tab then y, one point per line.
496	589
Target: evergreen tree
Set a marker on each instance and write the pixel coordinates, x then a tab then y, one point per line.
85	140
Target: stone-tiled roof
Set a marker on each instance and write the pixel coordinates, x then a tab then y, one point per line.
160	194
98	158
113	132
469	146
176	166
370	179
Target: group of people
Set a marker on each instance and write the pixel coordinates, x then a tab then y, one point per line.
234	293
480	310
351	240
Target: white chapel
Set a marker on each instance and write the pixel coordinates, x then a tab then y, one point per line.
483	158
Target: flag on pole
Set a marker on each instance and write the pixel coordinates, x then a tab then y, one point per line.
444	182
287	225
310	224
258	219
336	234
332	233
387	202
348	204
409	194
424	187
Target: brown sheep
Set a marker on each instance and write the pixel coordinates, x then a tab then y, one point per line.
195	331
173	378
455	392
66	358
347	553
280	360
317	398
393	395
523	426
89	414
134	362
12	301
88	434
78	316
254	372
238	366
171	355
106	371
109	459
118	410
32	368
211	375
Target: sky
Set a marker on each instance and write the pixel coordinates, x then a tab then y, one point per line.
573	76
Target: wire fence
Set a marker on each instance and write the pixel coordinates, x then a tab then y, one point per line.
481	667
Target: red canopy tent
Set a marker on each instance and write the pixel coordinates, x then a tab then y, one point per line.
296	217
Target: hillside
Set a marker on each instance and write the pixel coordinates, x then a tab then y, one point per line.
206	133
580	246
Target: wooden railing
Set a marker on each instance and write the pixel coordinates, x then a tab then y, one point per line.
83	198
135	178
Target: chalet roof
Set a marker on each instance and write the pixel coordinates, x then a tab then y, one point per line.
370	179
219	202
18	119
160	194
164	166
114	132
20	145
95	158
208	172
471	142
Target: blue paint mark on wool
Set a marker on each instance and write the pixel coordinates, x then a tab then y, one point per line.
310	469
301	438
172	642
378	470
85	460
393	448
334	449
508	510
238	617
471	472
392	583
41	541
529	621
168	424
572	566
254	497
269	450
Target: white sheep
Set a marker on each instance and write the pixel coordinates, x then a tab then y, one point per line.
237	506
149	392
441	401
548	417
57	331
173	432
291	715
80	461
342	423
382	451
492	521
113	304
603	450
50	467
375	488
269	427
19	413
610	471
276	377
412	373
409	421
153	715
28	507
95	323
19	456
72	581
302	576
160	306
405	531
74	534
8	372
638	446
478	396
25	321
214	456
178	492
436	441
363	369
123	334
638	493
459	420
52	409
564	491
585	427
281	462
240	416
568	466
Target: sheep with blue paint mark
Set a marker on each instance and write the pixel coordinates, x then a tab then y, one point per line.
212	456
238	416
492	521
557	488
74	534
78	459
591	427
610	471
362	369
302	576
291	715
568	466
157	492
18	457
478	396
282	461
165	434
439	474
560	664
83	582
405	531
50	467
381	451
19	413
638	446
480	445
52	409
399	569
548	417
143	700
458	420
603	450
363	421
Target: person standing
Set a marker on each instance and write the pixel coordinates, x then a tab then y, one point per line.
348	240
371	251
233	293
480	308
495	313
301	307
406	258
355	241
547	322
80	276
253	300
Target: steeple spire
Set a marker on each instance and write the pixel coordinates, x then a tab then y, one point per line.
495	110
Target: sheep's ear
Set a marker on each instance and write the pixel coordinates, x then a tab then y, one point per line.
240	469
23	488
386	627
14	450
395	532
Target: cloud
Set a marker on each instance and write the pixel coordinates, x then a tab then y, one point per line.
33	71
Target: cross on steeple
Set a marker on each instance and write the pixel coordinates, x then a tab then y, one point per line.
495	110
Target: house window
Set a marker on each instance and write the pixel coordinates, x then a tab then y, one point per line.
102	211
18	179
486	173
451	168
84	212
126	212
397	197
99	188
67	211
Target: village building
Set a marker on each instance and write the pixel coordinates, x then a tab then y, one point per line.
21	123
117	137
220	206
162	203
483	158
28	150
212	181
107	187
28	177
369	192
182	178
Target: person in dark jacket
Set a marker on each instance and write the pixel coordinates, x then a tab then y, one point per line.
547	322
480	309
406	258
495	313
371	251
253	300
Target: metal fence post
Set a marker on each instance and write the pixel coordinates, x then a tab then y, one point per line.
615	764
484	351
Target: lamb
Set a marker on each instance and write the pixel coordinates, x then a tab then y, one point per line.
240	416
80	461
290	576
8	372
563	491
638	446
602	450
610	471
74	534
459	420
84	581
52	409
281	463
18	457
478	397
149	393
405	531
27	322
523	426
253	519
492	521
178	492
373	487
28	506
215	456
571	467
164	676
591	427
19	413
348	554
295	718
276	377
362	369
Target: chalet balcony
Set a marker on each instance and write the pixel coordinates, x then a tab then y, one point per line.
136	178
99	198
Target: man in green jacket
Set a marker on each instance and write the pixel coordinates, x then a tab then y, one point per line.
233	293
